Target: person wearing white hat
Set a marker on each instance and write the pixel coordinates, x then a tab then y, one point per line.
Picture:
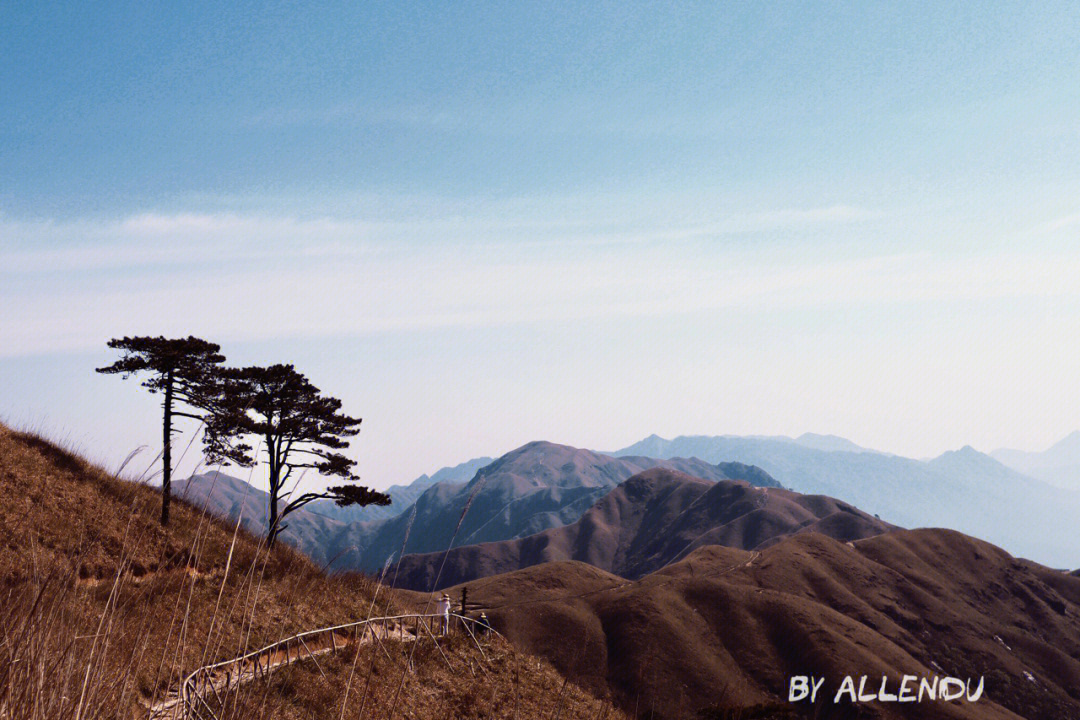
444	610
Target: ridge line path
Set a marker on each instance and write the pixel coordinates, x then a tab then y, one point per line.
755	555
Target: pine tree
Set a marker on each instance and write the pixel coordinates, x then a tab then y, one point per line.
298	427
178	368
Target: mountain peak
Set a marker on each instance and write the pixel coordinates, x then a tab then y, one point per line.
1070	442
978	467
652	446
827	443
539	451
966	454
540	445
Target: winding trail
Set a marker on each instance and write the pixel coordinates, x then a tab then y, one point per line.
191	701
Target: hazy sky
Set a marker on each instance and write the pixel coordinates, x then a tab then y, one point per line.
484	224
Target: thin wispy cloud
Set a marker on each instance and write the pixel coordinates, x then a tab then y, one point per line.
154	238
244	277
1065	222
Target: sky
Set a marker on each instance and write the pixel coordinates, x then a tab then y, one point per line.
481	224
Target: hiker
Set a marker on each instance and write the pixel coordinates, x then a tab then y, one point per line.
444	610
483	627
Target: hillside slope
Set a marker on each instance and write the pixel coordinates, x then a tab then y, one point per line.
646	522
727	628
104	610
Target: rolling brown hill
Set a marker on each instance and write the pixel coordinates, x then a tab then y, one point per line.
103	610
652	519
719	633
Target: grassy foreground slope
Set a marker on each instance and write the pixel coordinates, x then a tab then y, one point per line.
102	611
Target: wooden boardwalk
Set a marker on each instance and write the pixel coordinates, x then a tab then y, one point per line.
192	699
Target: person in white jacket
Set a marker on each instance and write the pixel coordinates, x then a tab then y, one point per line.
444	610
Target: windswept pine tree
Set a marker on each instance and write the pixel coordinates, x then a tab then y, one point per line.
178	368
296	426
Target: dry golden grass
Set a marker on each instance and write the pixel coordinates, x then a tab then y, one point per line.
102	610
452	681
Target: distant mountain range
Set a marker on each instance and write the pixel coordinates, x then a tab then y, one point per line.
1059	465
401	496
542	485
538	486
656	446
233	498
654	518
321	529
828	443
964	490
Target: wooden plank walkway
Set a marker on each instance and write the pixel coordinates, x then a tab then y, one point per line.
191	700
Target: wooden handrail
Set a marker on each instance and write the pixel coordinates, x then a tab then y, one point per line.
189	694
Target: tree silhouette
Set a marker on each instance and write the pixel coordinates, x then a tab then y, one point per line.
300	427
180	369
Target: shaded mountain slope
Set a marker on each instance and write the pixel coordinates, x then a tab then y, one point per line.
646	522
230	497
538	486
964	490
726	628
401	496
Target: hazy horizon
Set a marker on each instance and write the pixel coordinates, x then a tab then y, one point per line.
145	463
484	226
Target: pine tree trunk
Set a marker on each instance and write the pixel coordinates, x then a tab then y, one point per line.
166	454
275	469
273	522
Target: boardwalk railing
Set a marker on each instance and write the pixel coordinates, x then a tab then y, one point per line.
192	700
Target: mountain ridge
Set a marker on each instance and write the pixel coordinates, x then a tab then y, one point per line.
970	491
1058	465
646	522
401	496
534	487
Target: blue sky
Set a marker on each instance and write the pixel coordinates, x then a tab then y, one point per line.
483	224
